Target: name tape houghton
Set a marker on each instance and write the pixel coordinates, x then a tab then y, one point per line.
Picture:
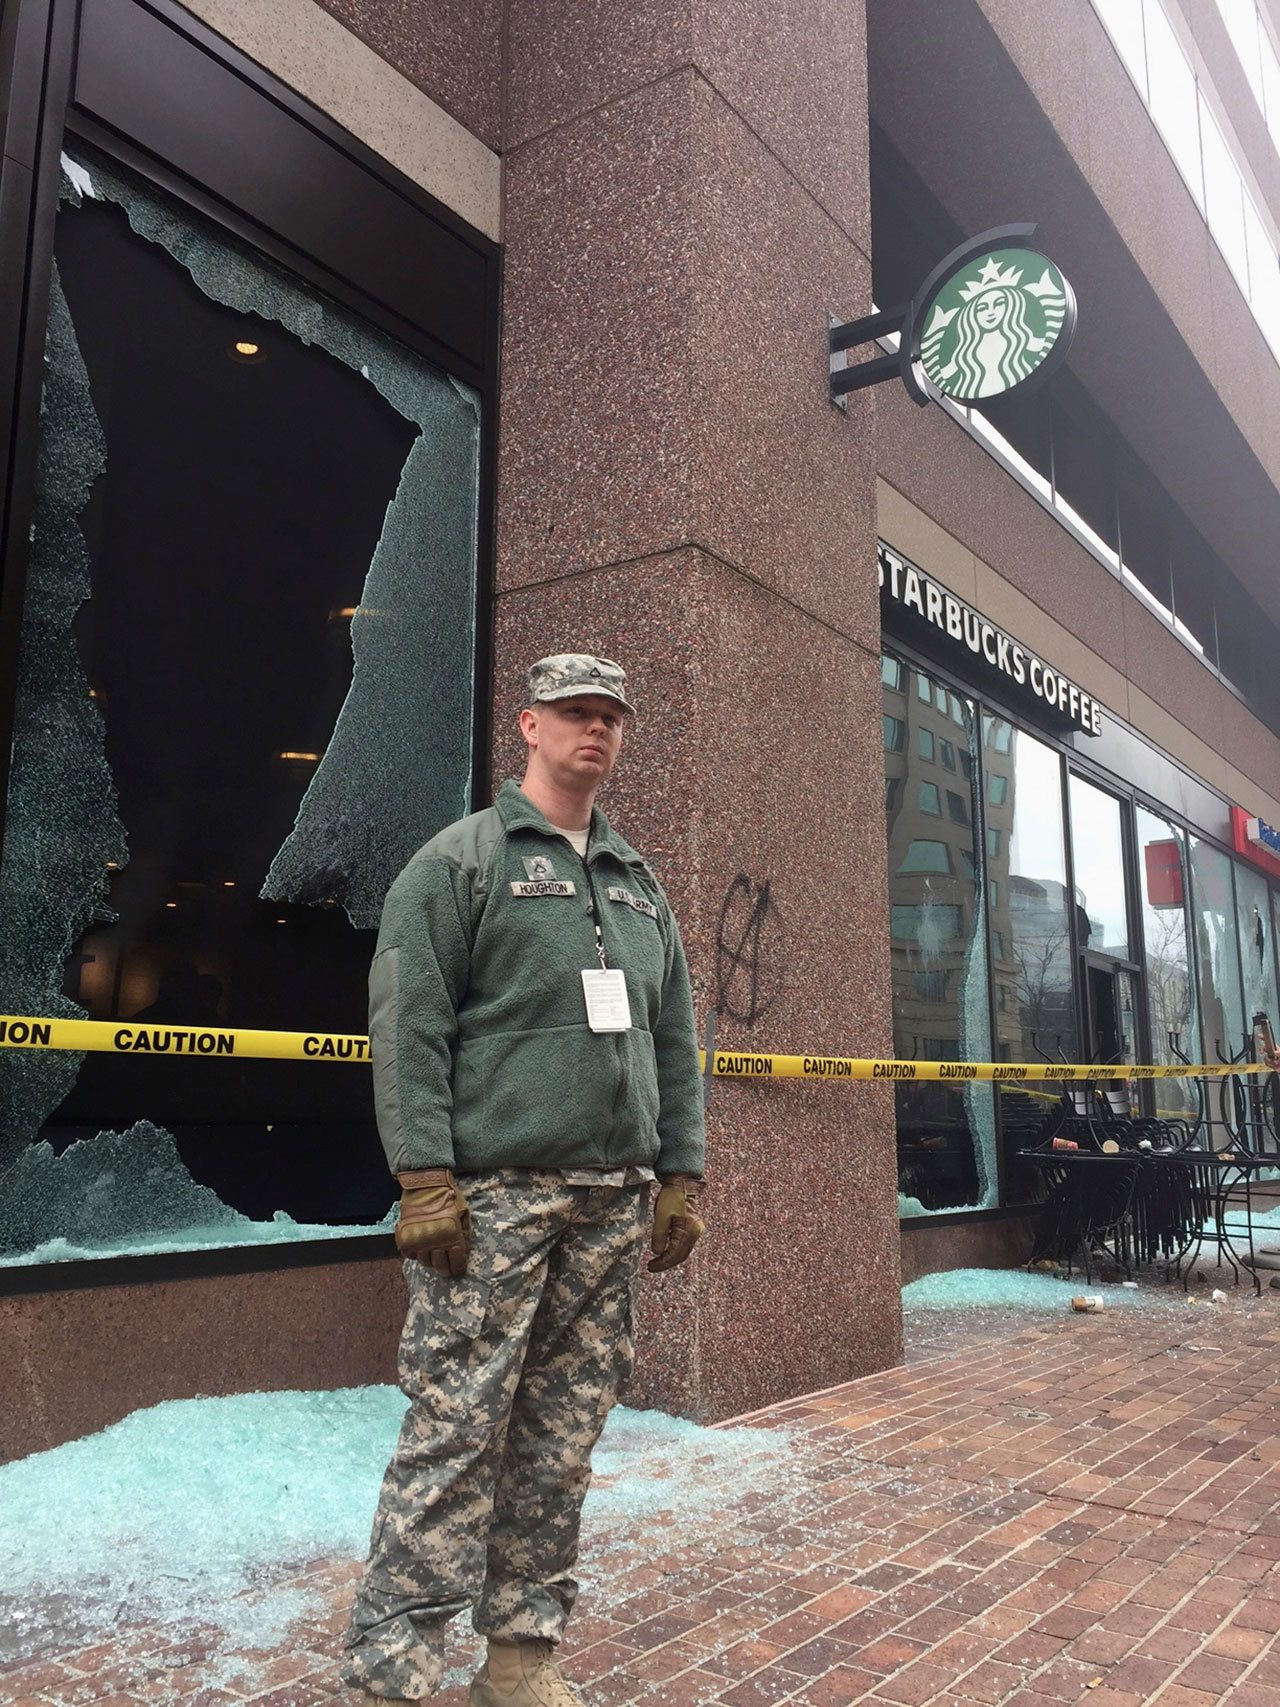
96	1036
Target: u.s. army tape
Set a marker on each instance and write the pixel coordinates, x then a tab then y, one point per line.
96	1036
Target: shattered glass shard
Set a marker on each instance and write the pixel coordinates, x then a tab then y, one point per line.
125	1194
188	1513
114	1187
1014	1289
61	827
909	1206
398	765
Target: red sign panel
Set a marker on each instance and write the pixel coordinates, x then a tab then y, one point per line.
1250	836
1163	861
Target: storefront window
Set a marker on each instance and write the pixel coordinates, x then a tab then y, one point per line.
1031	925
1047	971
1257	946
1171	989
1097	852
946	1134
244	698
1222	1015
1032	928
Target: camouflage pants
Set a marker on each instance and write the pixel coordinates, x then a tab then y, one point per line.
510	1370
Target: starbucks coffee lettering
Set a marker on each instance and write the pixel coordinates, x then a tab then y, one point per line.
907	587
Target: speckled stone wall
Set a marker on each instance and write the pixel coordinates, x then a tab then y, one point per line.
82	1359
929	1249
452	50
686	197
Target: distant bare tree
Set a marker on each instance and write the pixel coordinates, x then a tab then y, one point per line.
1041	958
1168	977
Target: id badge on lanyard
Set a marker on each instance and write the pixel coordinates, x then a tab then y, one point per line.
608	1006
605	990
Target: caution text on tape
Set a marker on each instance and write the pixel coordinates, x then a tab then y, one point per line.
96	1036
26	1031
727	1064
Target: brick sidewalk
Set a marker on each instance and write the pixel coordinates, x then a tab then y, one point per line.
1084	1511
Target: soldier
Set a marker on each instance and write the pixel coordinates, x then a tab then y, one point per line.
535	1068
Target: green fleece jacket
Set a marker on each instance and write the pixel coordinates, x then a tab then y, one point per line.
482	1057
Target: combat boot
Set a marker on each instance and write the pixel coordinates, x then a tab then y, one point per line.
521	1674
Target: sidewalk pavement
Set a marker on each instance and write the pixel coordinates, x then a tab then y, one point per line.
1082	1510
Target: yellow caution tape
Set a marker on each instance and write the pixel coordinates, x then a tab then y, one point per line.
95	1036
731	1064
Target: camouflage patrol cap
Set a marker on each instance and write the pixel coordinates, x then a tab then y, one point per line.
566	675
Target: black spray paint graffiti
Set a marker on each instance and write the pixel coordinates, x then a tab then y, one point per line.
741	974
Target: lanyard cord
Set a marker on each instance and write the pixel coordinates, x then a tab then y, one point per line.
594	910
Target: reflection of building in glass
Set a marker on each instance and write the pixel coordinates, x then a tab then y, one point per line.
937	937
932	867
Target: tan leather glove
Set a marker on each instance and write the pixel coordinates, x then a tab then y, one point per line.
676	1226
435	1223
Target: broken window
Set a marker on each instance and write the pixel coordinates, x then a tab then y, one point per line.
245	697
946	1133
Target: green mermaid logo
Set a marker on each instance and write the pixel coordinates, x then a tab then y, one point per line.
993	324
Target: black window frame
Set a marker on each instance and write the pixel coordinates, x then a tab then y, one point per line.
241	148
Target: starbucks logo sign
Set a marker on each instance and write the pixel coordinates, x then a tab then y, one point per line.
994	316
994	322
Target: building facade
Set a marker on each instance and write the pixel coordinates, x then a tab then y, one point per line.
360	353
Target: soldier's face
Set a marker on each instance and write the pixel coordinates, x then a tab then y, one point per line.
575	739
